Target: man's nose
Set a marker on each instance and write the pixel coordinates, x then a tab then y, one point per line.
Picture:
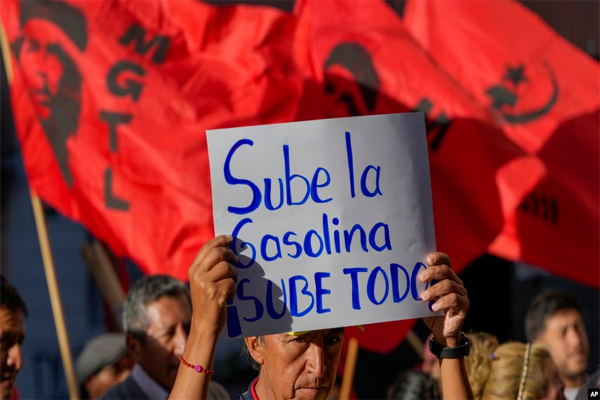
316	360
574	339
38	77
15	357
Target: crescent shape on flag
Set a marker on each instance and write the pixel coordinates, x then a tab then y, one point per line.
532	115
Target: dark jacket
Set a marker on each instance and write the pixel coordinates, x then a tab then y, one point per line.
128	389
249	394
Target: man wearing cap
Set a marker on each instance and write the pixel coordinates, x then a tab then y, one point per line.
12	334
54	33
156	320
103	363
303	365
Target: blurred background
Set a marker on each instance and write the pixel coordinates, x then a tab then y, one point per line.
500	290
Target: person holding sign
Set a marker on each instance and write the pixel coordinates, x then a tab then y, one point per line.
332	219
303	365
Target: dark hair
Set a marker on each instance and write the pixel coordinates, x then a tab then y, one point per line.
246	353
544	305
11	300
144	292
414	385
68	18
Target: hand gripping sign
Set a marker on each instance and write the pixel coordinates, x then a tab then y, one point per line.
332	219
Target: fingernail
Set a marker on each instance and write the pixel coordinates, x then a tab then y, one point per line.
422	276
431	259
229	237
425	296
430	304
435	307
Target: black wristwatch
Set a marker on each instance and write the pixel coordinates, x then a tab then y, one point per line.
450	352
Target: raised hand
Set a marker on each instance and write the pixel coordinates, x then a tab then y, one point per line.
213	278
449	294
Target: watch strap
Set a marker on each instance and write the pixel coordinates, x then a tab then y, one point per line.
440	351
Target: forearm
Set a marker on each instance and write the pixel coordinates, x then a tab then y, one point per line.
199	350
455	382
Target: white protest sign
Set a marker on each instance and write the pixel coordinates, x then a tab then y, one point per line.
335	217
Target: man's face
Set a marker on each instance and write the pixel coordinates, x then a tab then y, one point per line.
40	59
109	376
165	339
566	340
12	334
300	367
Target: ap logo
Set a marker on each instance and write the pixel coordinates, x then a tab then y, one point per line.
593	393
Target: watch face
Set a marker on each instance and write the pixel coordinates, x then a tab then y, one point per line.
435	347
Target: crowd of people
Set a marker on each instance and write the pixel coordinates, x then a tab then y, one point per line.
170	334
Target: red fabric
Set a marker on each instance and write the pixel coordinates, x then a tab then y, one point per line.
244	65
471	166
15	393
253	389
545	95
235	66
378	338
212	76
472	188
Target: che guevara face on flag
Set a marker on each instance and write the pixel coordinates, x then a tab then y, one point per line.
352	84
54	35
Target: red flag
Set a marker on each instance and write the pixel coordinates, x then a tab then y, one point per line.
111	104
112	119
545	94
369	64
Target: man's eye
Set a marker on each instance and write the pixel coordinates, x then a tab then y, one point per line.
168	334
333	340
9	341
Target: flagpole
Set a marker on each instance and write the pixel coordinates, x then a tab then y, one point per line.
415	342
349	366
105	276
55	301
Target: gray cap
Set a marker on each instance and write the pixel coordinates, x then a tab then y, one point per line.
99	352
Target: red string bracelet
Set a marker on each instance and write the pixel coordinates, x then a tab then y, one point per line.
197	368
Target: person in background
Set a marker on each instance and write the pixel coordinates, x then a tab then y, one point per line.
423	384
156	320
12	334
511	371
431	365
103	363
554	320
415	385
